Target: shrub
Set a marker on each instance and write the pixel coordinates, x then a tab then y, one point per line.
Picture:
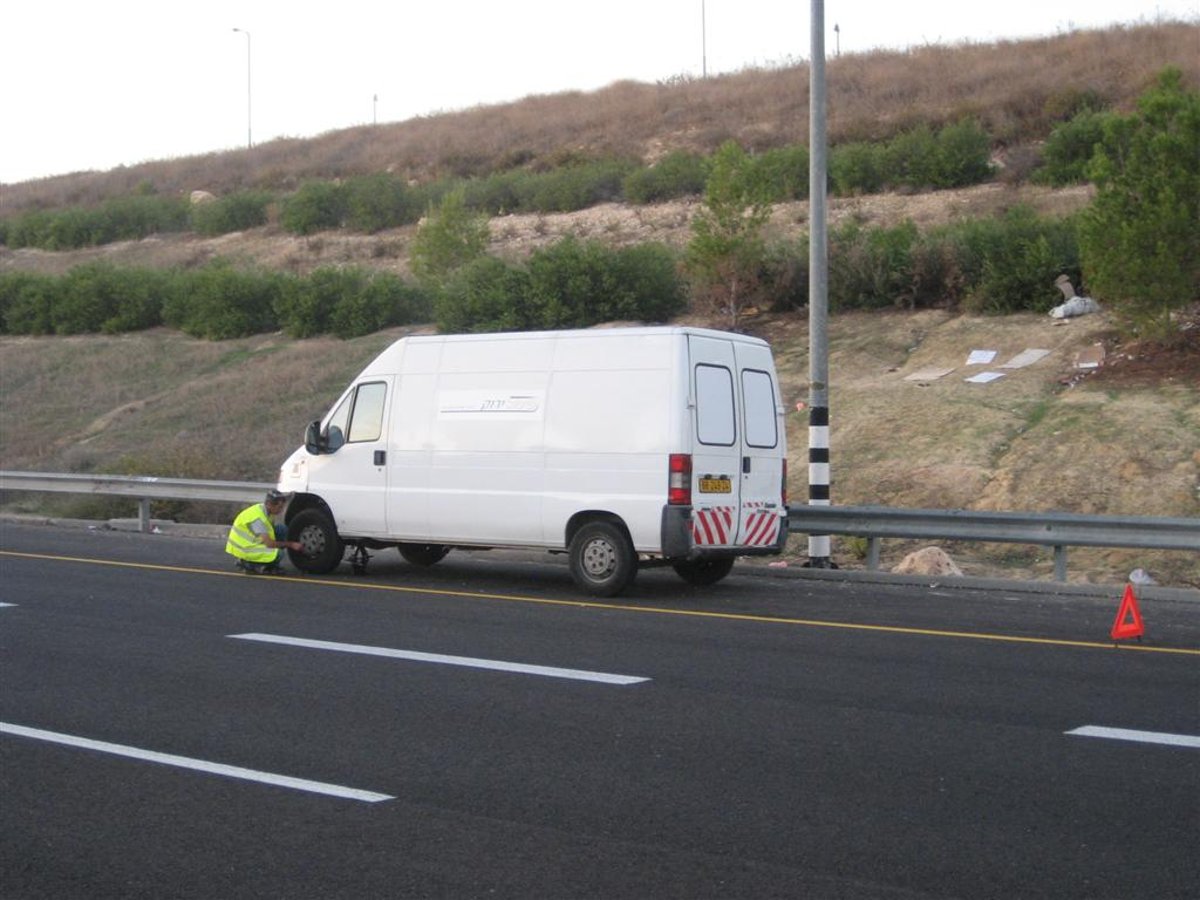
25	302
304	307
782	173
1070	147
236	212
376	202
384	300
100	297
1010	263
316	206
856	168
450	237
486	294
963	154
572	187
1141	235
678	174
219	302
871	268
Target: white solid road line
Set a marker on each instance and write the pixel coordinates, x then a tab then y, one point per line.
1143	737
8	604
199	765
466	661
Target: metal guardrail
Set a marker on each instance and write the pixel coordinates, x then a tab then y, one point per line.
1057	530
142	488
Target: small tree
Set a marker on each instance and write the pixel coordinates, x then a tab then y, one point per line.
1140	238
726	252
450	237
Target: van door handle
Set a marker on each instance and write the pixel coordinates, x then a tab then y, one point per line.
745	465
380	457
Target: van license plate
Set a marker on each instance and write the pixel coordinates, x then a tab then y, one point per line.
715	486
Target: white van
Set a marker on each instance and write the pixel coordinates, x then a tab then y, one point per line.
620	447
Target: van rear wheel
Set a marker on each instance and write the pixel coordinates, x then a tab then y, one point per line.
602	559
423	554
323	547
703	572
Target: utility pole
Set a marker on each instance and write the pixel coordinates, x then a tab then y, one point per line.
249	140
818	294
703	42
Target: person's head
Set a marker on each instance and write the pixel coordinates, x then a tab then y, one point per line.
275	501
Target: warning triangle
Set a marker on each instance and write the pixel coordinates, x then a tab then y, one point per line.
1128	622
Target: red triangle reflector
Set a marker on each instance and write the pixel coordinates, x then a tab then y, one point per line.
1128	622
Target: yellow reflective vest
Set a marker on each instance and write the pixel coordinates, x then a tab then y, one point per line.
244	543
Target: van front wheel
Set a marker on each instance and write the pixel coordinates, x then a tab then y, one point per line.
323	547
703	572
603	561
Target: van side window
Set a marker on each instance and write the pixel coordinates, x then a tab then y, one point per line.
758	398
366	419
714	406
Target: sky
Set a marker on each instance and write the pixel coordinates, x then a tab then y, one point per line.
92	85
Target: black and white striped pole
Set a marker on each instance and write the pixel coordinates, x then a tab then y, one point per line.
818	294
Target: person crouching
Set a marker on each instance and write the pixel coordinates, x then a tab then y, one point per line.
255	540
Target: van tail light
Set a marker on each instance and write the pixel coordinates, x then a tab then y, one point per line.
783	487
679	484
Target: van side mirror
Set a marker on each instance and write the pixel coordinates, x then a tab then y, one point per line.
312	438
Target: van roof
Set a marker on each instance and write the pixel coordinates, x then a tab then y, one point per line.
598	332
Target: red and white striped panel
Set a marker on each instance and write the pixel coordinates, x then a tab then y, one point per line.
762	525
713	526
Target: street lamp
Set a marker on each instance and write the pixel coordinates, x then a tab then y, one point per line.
249	141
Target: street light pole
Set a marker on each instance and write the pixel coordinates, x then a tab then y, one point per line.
249	140
818	295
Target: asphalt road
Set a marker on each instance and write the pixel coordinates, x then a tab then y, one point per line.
169	728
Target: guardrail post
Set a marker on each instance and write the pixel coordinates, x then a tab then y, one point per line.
144	514
873	553
1060	562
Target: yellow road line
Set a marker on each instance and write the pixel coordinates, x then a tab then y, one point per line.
627	607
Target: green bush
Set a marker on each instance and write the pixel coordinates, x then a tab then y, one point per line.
1070	147
385	300
26	299
963	155
1010	264
782	172
575	284
678	174
219	302
236	212
316	206
100	297
304	307
1141	236
871	268
856	168
120	219
570	284
572	187
376	202
486	294
450	237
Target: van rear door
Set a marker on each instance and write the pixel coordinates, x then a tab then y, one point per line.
762	447
716	453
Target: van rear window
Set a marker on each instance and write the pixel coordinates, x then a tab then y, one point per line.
758	398
715	422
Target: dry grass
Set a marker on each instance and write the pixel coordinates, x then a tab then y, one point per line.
1018	90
